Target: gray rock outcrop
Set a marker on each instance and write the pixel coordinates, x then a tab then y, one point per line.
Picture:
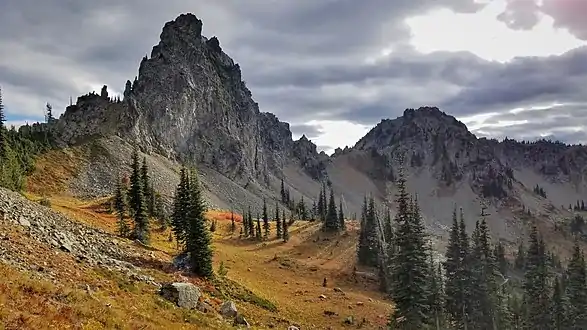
184	295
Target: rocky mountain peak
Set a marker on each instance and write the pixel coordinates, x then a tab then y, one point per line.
189	102
186	26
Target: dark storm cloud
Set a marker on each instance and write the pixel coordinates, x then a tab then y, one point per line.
524	81
563	122
302	59
568	14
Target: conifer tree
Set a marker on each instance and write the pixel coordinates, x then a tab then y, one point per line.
138	204
198	240
278	226
320	207
213	226
181	204
576	291
388	228
303	212
341	224
410	269
436	296
258	231
367	248
245	225
120	207
557	306
520	260
536	293
265	220
453	270
3	140
251	224
332	221
49	113
147	187
502	262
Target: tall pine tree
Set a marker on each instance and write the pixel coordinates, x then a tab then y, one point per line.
3	140
332	221
536	294
265	220
181	206
410	269
367	249
120	207
198	240
341	224
137	202
278	223
576	291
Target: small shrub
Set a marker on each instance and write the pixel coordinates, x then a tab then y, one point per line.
222	271
45	202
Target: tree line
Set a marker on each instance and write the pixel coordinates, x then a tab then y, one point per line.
471	288
18	149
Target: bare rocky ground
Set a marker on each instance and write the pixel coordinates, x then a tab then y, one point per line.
91	246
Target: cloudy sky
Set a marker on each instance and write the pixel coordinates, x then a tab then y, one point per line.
332	68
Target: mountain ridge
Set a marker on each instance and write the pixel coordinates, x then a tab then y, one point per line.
189	104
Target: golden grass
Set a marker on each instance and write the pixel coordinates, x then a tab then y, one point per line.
260	274
53	170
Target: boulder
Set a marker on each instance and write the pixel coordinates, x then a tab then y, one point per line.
228	309
184	295
240	320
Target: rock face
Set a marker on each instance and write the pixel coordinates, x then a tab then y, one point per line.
184	295
190	103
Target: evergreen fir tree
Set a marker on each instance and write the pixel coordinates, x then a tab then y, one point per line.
520	261
502	263
213	226
120	207
436	296
278	223
138	204
181	204
536	294
251	224
303	212
576	291
453	271
557	306
341	224
388	228
410	269
198	240
367	248
258	231
147	187
265	220
3	140
332	221
49	118
320	207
